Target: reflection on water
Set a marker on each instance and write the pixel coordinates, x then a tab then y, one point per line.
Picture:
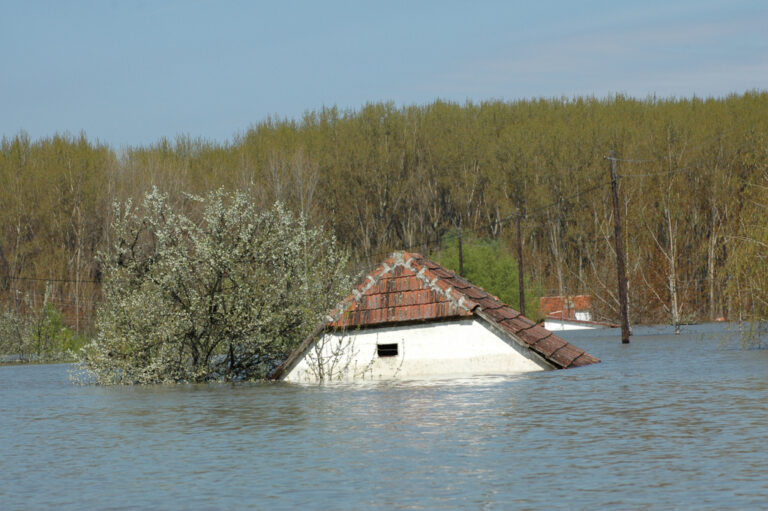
666	422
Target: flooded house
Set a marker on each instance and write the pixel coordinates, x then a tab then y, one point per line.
573	312
412	318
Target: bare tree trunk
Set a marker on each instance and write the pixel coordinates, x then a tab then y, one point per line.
554	240
711	254
672	274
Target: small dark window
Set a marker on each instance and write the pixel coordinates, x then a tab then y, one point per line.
387	350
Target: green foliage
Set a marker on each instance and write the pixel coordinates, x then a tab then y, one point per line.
384	178
40	337
50	335
488	264
223	292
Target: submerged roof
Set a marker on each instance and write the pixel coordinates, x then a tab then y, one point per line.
564	305
409	288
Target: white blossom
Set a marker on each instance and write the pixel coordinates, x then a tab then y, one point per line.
224	298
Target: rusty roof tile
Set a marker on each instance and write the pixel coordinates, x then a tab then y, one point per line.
499	314
566	355
496	314
527	322
533	335
517	323
442	284
508	326
443	273
549	345
506	313
490	304
583	360
475	293
458	283
536	330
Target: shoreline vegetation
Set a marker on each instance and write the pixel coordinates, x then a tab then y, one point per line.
693	185
749	337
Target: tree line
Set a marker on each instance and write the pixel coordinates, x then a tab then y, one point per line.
693	185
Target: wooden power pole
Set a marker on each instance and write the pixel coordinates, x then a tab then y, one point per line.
620	269
520	283
461	254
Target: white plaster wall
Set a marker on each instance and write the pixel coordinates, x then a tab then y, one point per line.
554	325
583	315
446	349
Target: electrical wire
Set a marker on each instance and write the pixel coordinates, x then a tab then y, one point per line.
44	279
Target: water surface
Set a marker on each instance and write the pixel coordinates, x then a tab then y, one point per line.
666	422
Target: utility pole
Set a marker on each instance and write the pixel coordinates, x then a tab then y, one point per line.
461	255
520	284
620	269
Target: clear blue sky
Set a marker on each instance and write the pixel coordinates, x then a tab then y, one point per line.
129	72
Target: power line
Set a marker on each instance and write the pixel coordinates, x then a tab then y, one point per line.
534	212
610	158
44	279
661	173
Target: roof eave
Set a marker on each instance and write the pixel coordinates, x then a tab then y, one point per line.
505	334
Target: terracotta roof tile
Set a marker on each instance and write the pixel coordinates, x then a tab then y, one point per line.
564	307
490	304
501	313
566	355
443	273
375	274
475	293
507	313
408	287
534	335
429	264
584	359
442	284
384	300
458	283
402	271
398	284
516	324
371	301
549	345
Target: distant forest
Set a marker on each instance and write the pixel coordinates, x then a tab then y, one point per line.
693	188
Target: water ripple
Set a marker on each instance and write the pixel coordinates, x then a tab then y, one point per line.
668	422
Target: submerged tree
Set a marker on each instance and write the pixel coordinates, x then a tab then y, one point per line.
747	265
225	297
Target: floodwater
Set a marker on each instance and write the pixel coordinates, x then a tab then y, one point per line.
665	422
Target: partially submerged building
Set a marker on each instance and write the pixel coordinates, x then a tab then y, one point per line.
412	318
569	313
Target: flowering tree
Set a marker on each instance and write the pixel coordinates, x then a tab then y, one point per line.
223	298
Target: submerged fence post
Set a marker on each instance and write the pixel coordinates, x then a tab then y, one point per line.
620	269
